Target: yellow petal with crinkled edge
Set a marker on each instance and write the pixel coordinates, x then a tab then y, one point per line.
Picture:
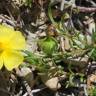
12	59
6	33
17	42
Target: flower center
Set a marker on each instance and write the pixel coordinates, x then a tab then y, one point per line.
3	46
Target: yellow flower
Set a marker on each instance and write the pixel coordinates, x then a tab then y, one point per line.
11	44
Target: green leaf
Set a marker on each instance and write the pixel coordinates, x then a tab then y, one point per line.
78	43
31	58
92	54
50	15
28	2
94	36
36	61
94	92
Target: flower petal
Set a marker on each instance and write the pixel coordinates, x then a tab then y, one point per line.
18	41
5	33
12	59
1	61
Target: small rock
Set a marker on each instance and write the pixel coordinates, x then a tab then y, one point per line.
53	83
23	72
32	42
27	74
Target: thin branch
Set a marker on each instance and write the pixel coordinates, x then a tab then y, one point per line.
86	9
